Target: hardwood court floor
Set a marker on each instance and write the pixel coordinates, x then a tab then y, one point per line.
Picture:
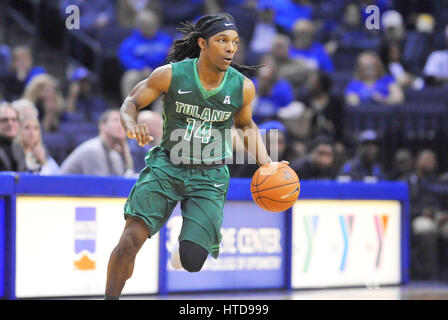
411	291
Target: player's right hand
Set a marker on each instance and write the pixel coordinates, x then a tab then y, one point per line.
140	132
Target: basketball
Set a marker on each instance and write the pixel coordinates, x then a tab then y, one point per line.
275	187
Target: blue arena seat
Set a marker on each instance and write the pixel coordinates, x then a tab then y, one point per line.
371	116
57	144
422	120
75	116
345	58
340	80
78	127
428	94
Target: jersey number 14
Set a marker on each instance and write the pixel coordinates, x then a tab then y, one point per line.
202	132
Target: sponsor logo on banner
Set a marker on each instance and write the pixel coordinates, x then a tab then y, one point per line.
85	238
310	224
346	222
346	242
381	226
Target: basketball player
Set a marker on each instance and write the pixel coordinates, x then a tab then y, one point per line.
202	95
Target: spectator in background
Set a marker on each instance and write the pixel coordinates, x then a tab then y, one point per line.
12	157
94	15
154	122
297	119
340	155
427	219
410	9
418	44
106	154
426	191
143	51
319	163
21	74
320	113
264	34
371	83
364	166
82	97
25	108
272	92
403	165
327	108
352	33
304	47
440	14
392	26
295	149
5	63
294	70
391	55
287	12
275	134
45	93
436	67
127	10
37	158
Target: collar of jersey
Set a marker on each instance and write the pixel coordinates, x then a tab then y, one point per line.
206	93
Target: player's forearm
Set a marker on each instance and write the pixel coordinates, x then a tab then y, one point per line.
251	135
128	114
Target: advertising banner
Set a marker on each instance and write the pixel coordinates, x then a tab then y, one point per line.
252	252
63	245
2	246
346	243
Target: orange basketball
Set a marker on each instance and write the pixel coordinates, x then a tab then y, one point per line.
275	187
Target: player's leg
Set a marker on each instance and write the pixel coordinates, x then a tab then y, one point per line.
122	258
192	256
188	255
202	215
148	207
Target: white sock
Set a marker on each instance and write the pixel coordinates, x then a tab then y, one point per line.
175	257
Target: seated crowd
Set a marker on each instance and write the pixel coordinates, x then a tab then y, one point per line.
319	61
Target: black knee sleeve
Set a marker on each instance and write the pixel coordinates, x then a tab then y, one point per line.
192	256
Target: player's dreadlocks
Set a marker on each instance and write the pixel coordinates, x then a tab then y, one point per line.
187	47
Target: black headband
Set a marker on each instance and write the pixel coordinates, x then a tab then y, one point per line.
219	26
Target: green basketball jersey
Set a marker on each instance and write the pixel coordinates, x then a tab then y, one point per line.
197	122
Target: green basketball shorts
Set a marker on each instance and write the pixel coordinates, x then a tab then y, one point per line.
201	191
